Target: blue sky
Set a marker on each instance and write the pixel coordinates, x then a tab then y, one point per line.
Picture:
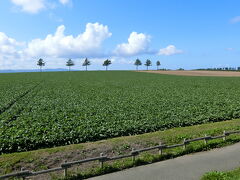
180	33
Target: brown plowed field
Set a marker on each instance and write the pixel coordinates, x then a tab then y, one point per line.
198	73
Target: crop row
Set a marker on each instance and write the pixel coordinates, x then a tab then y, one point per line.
74	107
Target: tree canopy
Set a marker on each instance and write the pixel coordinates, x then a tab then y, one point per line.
158	64
137	63
70	63
86	63
148	63
107	63
41	63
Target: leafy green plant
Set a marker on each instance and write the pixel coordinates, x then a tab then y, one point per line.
56	108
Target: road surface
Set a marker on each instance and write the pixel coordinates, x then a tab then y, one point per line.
188	167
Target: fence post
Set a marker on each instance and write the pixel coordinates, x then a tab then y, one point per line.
65	170
205	140
160	149
224	133
184	144
22	169
101	161
133	155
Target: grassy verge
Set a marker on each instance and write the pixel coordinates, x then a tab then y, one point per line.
147	158
230	175
53	157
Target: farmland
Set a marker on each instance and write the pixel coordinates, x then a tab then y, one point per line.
199	73
52	109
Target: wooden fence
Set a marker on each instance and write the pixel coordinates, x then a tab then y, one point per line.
103	158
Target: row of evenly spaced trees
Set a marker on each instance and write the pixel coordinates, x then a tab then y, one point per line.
106	63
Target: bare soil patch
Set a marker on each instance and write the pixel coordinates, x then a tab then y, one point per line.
198	73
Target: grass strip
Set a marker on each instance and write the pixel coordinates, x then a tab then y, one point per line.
216	175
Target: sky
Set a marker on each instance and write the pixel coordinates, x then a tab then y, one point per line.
185	34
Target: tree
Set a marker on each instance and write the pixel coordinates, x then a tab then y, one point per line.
41	63
148	63
86	63
137	63
69	63
158	64
107	63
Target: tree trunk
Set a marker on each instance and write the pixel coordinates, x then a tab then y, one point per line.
106	68
68	68
40	68
137	67
86	67
147	68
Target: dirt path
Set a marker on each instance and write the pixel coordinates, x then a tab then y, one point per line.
188	167
198	73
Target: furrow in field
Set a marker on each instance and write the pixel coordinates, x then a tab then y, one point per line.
8	106
13	112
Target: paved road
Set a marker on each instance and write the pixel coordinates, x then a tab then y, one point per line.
188	167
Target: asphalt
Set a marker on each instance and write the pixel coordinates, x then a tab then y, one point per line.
188	167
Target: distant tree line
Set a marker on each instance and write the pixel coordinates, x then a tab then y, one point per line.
221	69
106	63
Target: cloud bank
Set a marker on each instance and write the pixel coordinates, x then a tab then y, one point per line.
60	45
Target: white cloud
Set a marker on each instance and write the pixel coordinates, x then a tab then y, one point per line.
64	1
59	45
235	20
8	45
34	6
10	52
138	43
30	6
169	50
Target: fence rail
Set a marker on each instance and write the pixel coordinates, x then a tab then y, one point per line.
25	173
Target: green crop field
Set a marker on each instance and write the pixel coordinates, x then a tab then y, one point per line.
51	109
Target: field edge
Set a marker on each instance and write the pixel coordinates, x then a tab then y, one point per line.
197	73
53	157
